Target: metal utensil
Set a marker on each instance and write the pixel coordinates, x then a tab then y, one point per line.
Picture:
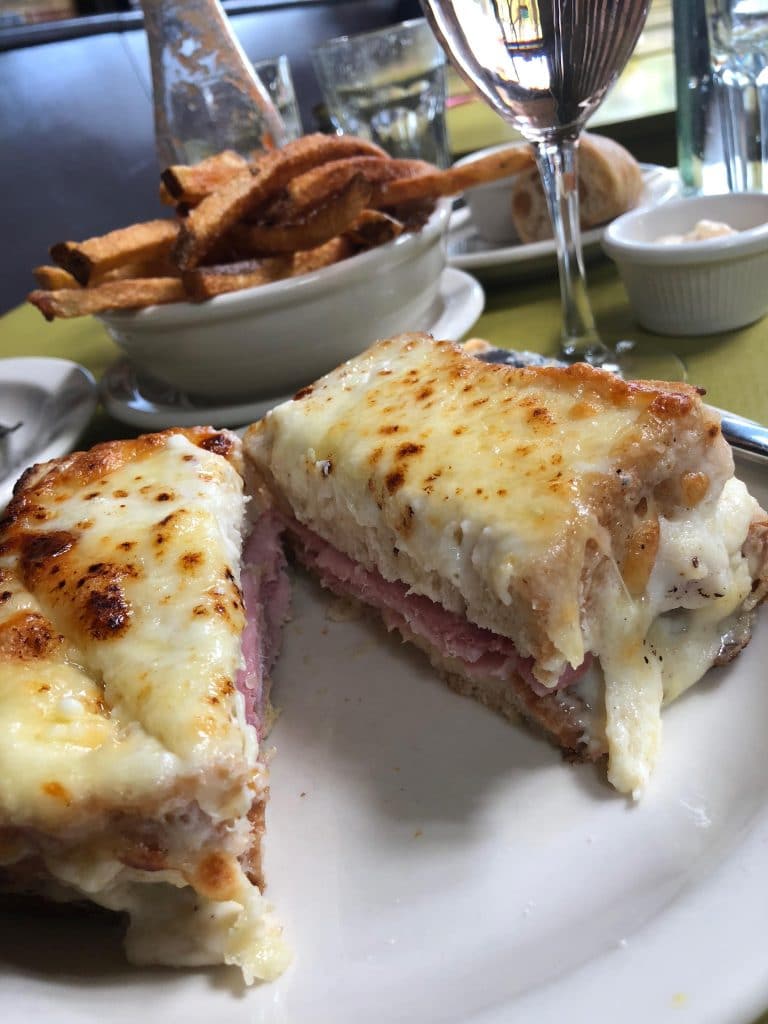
6	431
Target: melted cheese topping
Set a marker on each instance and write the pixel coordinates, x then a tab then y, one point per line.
125	708
673	632
120	639
169	923
546	504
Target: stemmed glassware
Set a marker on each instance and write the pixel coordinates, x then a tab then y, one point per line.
546	66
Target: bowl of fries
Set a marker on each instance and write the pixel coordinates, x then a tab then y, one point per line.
272	338
273	270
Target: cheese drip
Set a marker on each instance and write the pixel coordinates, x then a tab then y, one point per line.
653	648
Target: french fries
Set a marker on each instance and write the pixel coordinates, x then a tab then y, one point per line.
456	179
206	282
185	184
243	222
54	277
95	256
307	189
223	208
129	294
320	225
309	260
373	228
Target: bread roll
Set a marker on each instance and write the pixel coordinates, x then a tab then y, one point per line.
610	183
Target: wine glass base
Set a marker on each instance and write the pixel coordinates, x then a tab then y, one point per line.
636	363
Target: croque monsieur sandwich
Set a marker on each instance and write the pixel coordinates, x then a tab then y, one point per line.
562	544
138	621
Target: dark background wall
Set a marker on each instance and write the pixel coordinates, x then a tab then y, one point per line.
76	123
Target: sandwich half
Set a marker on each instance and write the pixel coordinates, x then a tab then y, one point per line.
564	546
139	615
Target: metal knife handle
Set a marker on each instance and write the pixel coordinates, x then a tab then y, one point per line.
746	436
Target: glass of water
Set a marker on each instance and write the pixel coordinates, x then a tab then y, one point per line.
388	86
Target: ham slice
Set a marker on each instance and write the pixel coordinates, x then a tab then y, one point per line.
488	664
266	596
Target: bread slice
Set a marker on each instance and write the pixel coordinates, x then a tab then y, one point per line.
134	642
610	183
562	542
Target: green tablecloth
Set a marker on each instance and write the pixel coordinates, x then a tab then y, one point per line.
732	367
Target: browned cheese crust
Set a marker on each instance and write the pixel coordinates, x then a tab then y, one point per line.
75	606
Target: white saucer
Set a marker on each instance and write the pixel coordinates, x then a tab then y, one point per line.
141	401
53	399
468	250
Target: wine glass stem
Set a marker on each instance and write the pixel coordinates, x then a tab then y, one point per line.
557	165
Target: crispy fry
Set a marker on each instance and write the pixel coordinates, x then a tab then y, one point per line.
160	267
206	282
54	277
219	211
70	302
286	213
165	196
309	189
456	179
319	226
372	228
94	256
190	184
414	214
333	251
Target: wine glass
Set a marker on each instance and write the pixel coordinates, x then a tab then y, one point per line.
546	66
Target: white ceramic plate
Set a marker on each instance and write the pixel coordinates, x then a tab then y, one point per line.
469	251
432	863
53	399
148	404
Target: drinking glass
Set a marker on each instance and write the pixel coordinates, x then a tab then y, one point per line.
388	86
275	75
546	66
738	39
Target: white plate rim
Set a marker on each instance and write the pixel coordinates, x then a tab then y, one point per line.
48	372
462	301
494	256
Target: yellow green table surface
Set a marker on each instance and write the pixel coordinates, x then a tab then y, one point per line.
732	367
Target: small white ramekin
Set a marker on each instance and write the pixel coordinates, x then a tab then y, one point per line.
701	287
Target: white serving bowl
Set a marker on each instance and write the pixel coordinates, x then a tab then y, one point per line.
273	338
700	287
490	205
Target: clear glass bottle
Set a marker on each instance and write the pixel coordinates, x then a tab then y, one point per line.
693	79
207	96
